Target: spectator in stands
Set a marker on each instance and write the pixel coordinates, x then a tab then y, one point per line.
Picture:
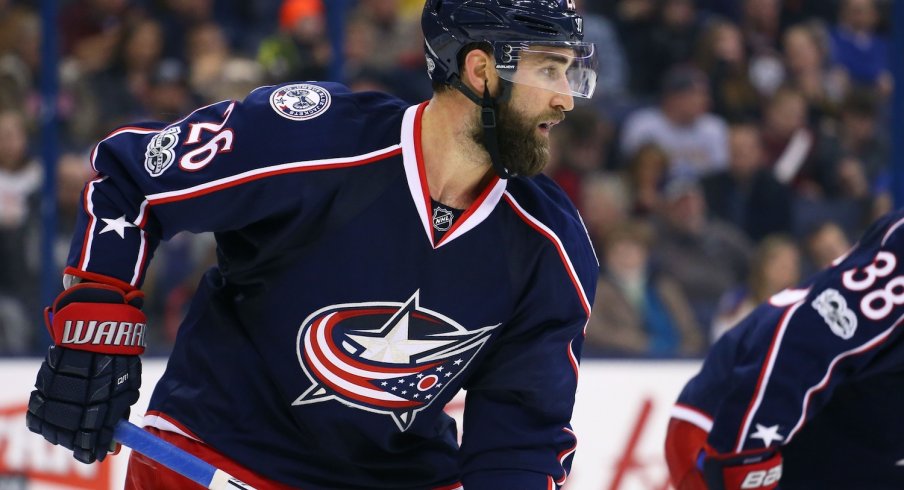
645	313
656	35
20	63
169	97
789	141
635	21
177	18
20	183
823	244
797	11
122	88
300	49
238	77
646	173
604	206
397	52
775	266
722	56
858	48
12	16
613	72
695	140
19	58
398	42
215	72
746	193
581	147
855	152
706	256
761	26
91	31
807	69
206	53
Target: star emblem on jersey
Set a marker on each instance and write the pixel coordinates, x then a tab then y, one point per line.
384	357
767	434
118	225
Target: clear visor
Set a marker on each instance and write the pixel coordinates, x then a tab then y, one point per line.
568	68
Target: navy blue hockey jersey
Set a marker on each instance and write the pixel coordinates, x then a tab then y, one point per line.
338	323
818	371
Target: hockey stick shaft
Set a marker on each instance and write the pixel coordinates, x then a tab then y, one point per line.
174	458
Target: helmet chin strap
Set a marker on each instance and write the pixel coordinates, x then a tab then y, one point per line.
488	120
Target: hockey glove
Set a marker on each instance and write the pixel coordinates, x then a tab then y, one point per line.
748	470
91	376
694	465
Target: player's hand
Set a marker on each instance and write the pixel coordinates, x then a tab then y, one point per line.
693	465
91	376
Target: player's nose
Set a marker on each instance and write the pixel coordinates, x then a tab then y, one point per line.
563	102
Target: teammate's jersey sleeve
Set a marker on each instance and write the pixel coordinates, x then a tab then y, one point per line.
220	168
767	377
516	428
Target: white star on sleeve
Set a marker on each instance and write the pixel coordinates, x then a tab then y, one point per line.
118	225
767	434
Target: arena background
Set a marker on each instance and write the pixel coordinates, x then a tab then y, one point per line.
805	86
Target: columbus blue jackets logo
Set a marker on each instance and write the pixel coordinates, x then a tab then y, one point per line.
300	101
390	358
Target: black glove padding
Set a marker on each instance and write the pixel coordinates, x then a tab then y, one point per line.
80	397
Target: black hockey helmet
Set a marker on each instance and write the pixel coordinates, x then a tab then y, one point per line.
512	28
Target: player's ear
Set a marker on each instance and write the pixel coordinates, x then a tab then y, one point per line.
478	69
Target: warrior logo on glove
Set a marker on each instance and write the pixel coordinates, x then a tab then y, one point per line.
392	358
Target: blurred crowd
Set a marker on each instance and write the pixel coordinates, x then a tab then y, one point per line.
733	146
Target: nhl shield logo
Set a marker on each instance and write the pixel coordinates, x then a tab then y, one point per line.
442	218
300	101
382	357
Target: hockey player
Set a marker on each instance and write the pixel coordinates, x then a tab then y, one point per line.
806	392
373	259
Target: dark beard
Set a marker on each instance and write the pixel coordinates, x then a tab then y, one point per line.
522	150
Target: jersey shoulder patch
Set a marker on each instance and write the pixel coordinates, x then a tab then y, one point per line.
300	101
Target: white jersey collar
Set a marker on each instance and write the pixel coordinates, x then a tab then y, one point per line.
412	156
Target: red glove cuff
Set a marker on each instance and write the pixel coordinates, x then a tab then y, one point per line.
683	444
97	318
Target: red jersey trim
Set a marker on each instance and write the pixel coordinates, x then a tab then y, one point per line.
265	172
563	255
693	416
765	374
872	344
